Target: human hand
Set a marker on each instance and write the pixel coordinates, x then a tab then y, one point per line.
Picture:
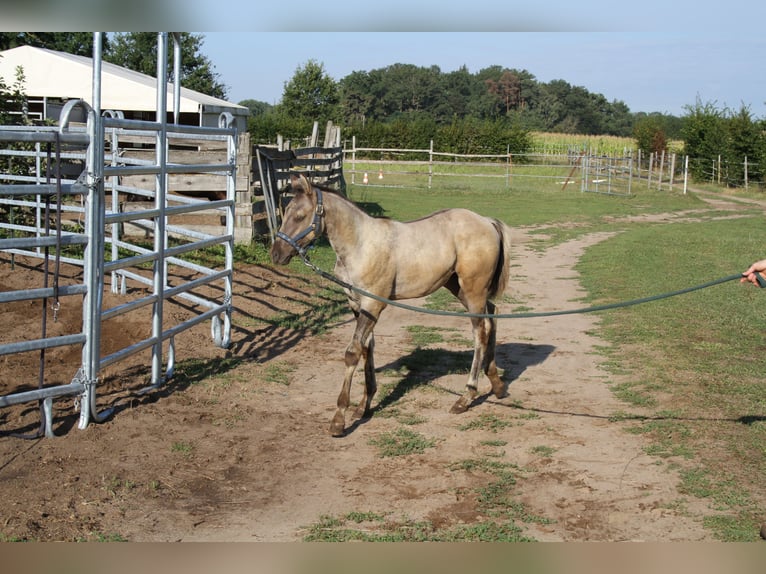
755	274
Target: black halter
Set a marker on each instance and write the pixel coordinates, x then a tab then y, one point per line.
315	224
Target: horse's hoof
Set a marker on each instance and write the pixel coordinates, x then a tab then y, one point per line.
459	407
337	427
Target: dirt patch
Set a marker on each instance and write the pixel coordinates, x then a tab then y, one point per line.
229	451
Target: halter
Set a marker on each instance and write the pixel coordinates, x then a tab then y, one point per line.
315	224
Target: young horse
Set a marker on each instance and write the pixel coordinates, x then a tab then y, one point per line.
454	248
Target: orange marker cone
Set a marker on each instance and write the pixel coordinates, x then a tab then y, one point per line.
366	179
380	174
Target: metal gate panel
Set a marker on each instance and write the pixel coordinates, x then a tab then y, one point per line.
102	235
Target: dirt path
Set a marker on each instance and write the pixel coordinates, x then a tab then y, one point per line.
234	456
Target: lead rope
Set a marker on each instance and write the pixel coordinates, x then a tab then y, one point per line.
630	303
57	260
56	273
44	323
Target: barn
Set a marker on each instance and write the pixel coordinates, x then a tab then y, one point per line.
52	78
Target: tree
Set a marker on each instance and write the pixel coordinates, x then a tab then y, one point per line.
356	97
649	134
78	43
138	51
13	101
402	89
507	89
310	95
256	107
744	140
704	137
5	103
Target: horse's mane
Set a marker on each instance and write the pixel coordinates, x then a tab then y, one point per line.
344	198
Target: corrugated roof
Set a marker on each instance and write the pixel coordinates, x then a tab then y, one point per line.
53	74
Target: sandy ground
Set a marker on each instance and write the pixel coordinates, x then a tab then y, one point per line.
229	451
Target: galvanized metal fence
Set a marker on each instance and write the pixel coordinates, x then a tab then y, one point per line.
105	249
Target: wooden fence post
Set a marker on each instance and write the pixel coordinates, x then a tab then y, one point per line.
672	170
430	163
745	172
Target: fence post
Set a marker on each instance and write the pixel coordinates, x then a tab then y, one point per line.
672	170
649	174
659	176
746	172
353	159
719	169
430	163
686	173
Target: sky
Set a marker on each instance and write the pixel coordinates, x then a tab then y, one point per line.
653	55
648	71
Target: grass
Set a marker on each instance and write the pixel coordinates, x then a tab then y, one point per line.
501	522
689	369
701	353
278	372
697	356
543	450
184	448
487	422
424	336
401	442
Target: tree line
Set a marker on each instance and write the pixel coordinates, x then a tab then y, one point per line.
368	103
493	110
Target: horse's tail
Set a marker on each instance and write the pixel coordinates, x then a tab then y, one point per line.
503	264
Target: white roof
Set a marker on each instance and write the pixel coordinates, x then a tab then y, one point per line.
53	74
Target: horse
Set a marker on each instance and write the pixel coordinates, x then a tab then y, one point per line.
465	252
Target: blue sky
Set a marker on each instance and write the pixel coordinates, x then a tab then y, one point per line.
654	55
649	71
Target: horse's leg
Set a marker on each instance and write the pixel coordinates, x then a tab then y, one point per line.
490	367
365	323
481	332
370	384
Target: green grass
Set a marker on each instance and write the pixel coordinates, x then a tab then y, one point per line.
487	422
689	370
700	354
522	206
184	448
278	372
543	450
502	515
424	336
401	442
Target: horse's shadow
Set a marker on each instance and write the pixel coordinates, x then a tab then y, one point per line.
424	365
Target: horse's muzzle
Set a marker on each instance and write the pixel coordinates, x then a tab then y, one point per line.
281	253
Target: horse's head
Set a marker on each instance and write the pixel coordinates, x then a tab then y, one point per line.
301	223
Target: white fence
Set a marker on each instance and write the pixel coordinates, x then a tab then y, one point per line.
584	170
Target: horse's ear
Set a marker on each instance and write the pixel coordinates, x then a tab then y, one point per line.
299	182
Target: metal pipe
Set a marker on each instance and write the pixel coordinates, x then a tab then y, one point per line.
160	233
176	76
